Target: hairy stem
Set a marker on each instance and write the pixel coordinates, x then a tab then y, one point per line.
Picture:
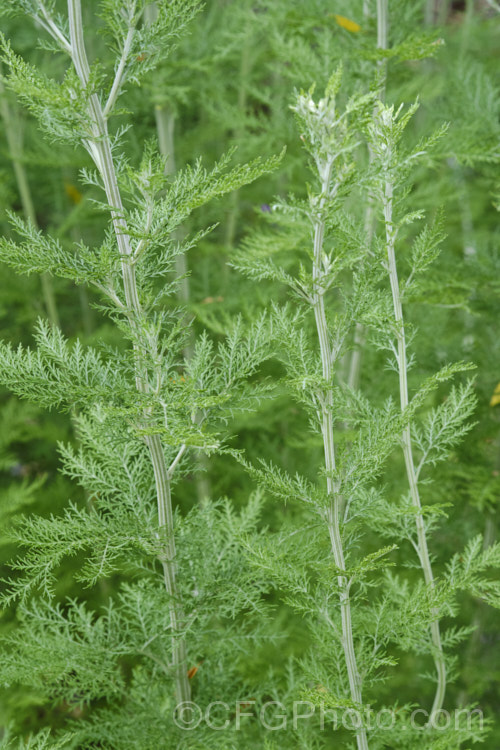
13	142
327	428
100	148
406	440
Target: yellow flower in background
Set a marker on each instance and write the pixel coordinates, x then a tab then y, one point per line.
72	192
495	399
347	24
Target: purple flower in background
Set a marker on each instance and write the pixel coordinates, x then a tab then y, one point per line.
266	208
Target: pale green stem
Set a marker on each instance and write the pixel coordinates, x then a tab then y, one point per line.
69	225
436	12
115	89
356	356
13	143
382	24
86	310
245	67
100	148
327	429
359	332
165	127
46	22
468	243
406	441
165	123
430	12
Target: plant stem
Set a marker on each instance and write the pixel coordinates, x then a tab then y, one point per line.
436	12
430	12
165	125
100	148
382	25
244	72
359	332
406	440
13	143
327	428
165	128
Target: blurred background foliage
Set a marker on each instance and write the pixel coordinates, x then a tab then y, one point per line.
230	83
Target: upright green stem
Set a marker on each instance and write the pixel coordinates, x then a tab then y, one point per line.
382	24
406	440
430	11
13	143
244	72
359	332
436	12
327	429
165	127
100	148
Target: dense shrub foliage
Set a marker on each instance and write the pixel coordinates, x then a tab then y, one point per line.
250	454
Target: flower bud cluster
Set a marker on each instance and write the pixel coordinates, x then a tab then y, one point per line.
319	122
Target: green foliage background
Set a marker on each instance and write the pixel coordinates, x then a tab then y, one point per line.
75	672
